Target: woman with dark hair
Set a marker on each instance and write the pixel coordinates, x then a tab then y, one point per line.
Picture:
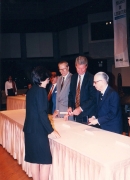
37	126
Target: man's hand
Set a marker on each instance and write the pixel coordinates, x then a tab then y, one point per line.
66	117
55	114
77	111
70	113
92	121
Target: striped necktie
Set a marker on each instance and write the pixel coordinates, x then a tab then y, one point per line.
50	93
77	98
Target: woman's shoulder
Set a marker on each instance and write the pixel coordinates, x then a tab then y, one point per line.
40	89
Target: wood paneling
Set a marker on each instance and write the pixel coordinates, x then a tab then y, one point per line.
9	167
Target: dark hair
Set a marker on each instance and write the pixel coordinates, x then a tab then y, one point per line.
40	74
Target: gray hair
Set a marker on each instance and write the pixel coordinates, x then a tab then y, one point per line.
63	62
103	75
81	60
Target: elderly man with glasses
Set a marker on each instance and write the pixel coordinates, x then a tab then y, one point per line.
63	88
108	116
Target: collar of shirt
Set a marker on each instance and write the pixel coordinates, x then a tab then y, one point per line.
65	76
103	92
82	76
54	86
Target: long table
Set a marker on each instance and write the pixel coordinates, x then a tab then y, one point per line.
16	102
82	152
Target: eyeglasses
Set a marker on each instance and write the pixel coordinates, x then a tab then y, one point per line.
52	77
95	82
62	69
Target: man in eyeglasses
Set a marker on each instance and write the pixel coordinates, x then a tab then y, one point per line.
63	88
108	115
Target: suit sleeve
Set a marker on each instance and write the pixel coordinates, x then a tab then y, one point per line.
57	96
71	96
113	107
42	110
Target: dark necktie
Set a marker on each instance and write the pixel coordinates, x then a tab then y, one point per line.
50	93
62	84
101	96
77	98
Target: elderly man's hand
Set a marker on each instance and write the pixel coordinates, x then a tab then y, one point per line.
92	121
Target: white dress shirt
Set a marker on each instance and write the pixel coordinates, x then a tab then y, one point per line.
8	85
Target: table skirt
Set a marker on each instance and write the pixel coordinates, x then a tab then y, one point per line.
68	163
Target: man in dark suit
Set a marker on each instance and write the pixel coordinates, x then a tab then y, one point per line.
52	92
82	95
108	115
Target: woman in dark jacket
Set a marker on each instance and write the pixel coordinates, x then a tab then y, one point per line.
37	126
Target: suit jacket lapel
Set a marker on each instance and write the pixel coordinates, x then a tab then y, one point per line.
61	92
85	79
65	83
106	94
59	84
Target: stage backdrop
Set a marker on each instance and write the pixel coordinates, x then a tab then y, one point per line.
120	33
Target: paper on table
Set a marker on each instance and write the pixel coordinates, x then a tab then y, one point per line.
66	125
88	132
123	144
63	112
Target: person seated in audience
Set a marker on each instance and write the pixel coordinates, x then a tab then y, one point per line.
52	92
37	126
109	115
28	87
10	87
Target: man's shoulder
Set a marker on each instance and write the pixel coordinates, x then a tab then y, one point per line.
112	91
74	75
89	74
70	75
